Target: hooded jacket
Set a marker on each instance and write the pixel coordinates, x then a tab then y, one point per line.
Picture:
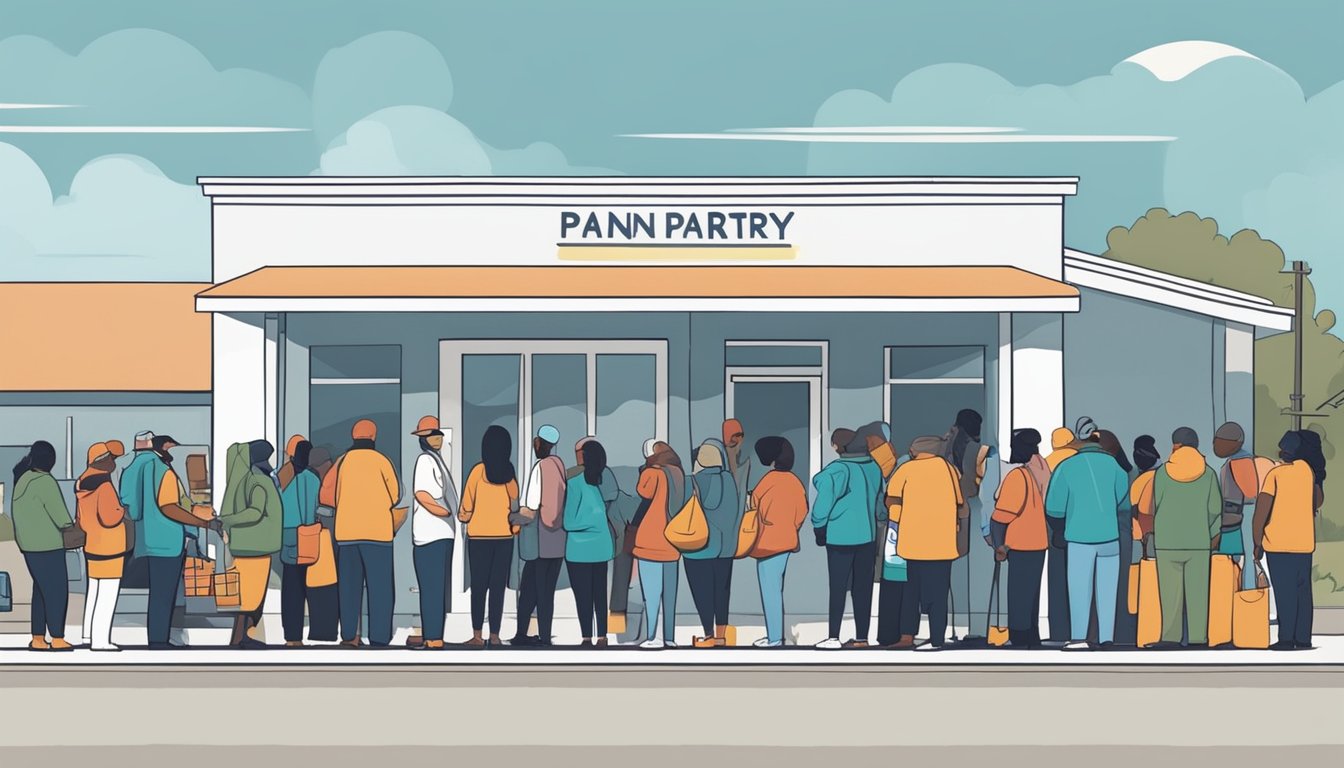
723	509
39	513
847	500
252	515
1087	491
101	516
1187	506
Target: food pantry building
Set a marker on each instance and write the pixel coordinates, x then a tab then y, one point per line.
636	308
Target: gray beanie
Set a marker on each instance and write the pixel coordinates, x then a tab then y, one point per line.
1185	436
1230	431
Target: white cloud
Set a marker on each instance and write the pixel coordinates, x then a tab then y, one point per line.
1174	61
147	129
910	138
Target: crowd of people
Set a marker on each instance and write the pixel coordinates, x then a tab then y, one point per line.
898	517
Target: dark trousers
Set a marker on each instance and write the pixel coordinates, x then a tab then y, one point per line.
926	591
622	567
711	583
589	581
293	597
490	562
850	568
51	592
1290	576
1057	567
361	565
890	602
324	612
537	593
434	573
165	579
1024	596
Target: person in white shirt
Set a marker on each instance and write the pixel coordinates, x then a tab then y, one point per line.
541	538
433	531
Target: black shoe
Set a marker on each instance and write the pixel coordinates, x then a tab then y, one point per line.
1303	646
1284	645
251	644
526	641
1165	645
166	647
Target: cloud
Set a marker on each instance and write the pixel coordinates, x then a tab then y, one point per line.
911	135
384	69
145	129
420	141
121	220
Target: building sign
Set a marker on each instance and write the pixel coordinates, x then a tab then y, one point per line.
709	227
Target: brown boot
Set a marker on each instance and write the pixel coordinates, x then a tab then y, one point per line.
39	643
294	644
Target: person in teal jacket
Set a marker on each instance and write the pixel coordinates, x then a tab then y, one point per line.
588	543
844	520
253	520
40	516
709	571
299	486
1084	498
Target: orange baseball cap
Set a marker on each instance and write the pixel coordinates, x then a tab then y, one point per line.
364	429
427	425
112	448
293	444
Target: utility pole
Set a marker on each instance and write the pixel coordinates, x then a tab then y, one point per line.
1299	272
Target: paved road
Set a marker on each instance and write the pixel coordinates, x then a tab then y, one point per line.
795	715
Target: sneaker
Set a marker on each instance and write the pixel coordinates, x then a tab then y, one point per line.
106	648
765	642
1077	645
829	644
929	647
653	644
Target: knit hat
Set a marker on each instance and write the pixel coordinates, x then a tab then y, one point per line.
1185	436
926	444
144	440
549	434
1061	438
1085	428
1231	431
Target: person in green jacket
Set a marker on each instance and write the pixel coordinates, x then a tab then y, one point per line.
844	521
40	515
588	543
253	521
1187	509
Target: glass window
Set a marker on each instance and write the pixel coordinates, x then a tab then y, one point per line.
560	398
767	355
626	415
355	362
936	363
929	409
489	397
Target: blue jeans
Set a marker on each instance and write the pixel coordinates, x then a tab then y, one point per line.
658	585
434	573
361	563
770	575
1094	574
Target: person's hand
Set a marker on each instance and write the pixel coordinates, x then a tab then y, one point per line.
518	518
527	514
820	533
215	525
1001	554
989	540
1259	553
464	516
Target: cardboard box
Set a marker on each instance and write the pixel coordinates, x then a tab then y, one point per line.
198	477
198	566
227	590
199	586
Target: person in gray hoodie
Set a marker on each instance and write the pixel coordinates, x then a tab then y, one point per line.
709	571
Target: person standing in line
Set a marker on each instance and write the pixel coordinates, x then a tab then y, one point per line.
622	568
155	499
1082	503
924	500
1126	624
1020	535
589	545
541	538
40	517
709	571
299	486
1284	530
100	514
970	456
432	531
781	507
1146	459
737	460
489	499
1240	478
129	487
254	524
1063	445
662	492
362	487
844	521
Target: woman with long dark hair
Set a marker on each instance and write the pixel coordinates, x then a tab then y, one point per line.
488	498
588	543
40	516
1284	530
299	485
1021	537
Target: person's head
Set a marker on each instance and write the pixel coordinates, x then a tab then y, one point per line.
775	451
1111	444
1062	437
1184	437
1024	443
293	444
259	453
969	422
41	457
546	439
841	438
429	434
1228	439
163	445
320	459
497	455
1145	452
1304	445
103	456
1085	430
709	455
578	449
364	429
664	456
926	445
732	433
594	462
144	441
302	456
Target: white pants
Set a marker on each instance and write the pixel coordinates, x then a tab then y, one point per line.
99	605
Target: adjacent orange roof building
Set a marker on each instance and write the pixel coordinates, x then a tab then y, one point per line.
103	337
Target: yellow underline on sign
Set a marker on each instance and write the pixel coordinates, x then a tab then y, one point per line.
665	253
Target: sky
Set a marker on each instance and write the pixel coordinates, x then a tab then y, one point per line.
109	111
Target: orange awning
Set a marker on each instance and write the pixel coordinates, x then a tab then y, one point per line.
446	288
104	337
